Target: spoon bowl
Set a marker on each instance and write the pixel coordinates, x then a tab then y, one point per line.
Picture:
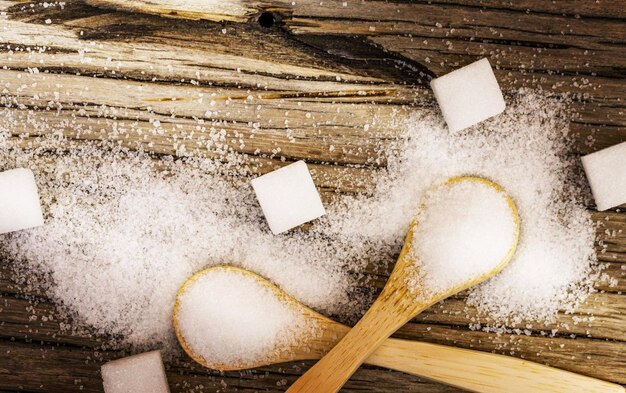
310	342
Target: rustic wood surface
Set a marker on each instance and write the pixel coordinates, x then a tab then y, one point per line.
330	67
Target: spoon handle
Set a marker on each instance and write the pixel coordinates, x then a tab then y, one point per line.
337	366
482	371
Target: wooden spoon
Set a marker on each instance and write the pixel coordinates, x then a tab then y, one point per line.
396	305
463	368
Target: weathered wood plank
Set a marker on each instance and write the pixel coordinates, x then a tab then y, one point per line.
127	61
572	8
602	316
38	322
563	42
580	355
304	127
197	9
57	368
218	11
532	347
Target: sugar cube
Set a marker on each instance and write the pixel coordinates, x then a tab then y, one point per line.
19	201
288	197
143	373
468	95
606	172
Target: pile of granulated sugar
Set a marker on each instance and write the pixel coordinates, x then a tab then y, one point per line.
525	150
464	230
123	231
230	319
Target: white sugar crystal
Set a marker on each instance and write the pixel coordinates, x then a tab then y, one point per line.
19	201
468	95
288	197
143	373
465	229
606	172
227	317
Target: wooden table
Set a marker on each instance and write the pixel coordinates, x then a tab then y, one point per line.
345	61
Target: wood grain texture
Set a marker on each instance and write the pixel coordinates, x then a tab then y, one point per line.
217	11
332	69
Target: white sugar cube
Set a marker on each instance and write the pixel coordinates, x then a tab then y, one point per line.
606	172
468	95
143	373
19	201
288	197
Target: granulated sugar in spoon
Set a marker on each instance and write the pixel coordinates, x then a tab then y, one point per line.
465	232
227	318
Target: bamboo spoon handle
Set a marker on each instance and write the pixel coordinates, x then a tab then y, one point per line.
330	373
481	371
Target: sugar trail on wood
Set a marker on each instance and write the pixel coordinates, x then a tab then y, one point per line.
148	224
